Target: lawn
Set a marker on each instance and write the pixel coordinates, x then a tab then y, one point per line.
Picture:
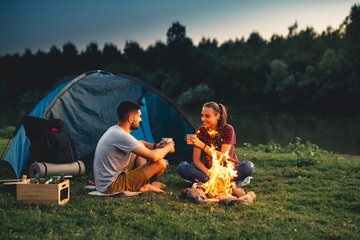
317	199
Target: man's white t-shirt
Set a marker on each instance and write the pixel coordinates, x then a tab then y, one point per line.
112	155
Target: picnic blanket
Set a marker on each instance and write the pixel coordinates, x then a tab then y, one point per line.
122	193
100	194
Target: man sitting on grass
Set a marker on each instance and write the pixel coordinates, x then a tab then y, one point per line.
122	163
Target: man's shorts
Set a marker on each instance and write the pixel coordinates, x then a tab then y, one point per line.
130	180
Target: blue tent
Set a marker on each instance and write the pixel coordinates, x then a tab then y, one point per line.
87	105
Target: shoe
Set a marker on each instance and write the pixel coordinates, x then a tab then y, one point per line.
246	181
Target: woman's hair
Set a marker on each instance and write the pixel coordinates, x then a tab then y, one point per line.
218	109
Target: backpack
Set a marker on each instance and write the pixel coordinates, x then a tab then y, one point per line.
49	141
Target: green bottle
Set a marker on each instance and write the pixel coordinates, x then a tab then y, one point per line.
37	178
54	180
62	177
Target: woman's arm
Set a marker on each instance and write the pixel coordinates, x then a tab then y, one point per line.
206	148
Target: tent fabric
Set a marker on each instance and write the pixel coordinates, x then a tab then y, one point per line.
87	105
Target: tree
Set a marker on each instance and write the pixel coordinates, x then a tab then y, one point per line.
69	50
176	33
133	52
293	29
110	51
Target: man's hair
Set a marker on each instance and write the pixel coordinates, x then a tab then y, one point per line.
125	108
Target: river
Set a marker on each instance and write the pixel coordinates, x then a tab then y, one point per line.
339	133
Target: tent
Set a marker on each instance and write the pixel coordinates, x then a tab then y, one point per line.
87	105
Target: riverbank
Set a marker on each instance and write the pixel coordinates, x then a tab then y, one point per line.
334	132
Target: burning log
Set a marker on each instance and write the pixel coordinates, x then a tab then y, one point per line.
221	172
195	194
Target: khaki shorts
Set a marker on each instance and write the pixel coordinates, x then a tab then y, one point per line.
130	180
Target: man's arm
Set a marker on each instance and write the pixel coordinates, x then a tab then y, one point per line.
155	154
151	145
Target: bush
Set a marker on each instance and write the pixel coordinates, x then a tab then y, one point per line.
305	152
200	94
7	132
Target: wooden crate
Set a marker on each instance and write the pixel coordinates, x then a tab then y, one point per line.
43	193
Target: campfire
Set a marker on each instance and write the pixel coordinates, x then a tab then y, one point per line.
220	187
221	173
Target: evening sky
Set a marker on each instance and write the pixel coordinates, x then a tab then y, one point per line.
41	24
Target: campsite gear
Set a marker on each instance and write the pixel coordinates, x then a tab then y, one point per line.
39	193
37	178
167	140
75	169
117	194
49	141
246	181
87	106
186	138
24	179
54	180
10	180
91	183
62	177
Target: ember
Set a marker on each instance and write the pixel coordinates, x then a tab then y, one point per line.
212	132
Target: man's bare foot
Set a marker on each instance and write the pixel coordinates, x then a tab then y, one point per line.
158	185
149	187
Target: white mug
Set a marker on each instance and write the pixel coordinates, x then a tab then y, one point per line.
167	140
187	138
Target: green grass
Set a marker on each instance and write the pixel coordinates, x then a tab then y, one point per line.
320	200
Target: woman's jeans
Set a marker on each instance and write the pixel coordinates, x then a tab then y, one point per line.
190	172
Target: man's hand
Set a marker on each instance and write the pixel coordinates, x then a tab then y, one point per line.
161	144
172	146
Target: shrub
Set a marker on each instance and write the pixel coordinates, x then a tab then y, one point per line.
7	132
200	94
305	152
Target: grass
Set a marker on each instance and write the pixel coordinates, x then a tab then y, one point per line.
320	200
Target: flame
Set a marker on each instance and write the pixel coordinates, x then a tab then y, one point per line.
212	132
221	169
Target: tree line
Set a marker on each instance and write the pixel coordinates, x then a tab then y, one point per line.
304	69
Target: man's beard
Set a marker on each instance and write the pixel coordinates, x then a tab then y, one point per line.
134	127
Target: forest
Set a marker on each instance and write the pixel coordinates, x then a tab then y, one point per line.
302	70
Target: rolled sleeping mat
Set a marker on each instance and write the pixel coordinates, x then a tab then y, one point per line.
74	169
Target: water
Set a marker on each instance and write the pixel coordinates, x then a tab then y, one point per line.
334	132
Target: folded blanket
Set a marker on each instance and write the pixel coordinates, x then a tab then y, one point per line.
123	193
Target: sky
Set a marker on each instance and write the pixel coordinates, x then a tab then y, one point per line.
41	24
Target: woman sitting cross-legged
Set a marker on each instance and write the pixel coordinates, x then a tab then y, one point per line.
215	131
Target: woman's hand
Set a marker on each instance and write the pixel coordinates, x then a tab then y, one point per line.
196	141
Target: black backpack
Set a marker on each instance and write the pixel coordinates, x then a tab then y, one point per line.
49	141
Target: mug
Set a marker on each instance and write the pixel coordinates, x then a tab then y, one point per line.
167	140
187	136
